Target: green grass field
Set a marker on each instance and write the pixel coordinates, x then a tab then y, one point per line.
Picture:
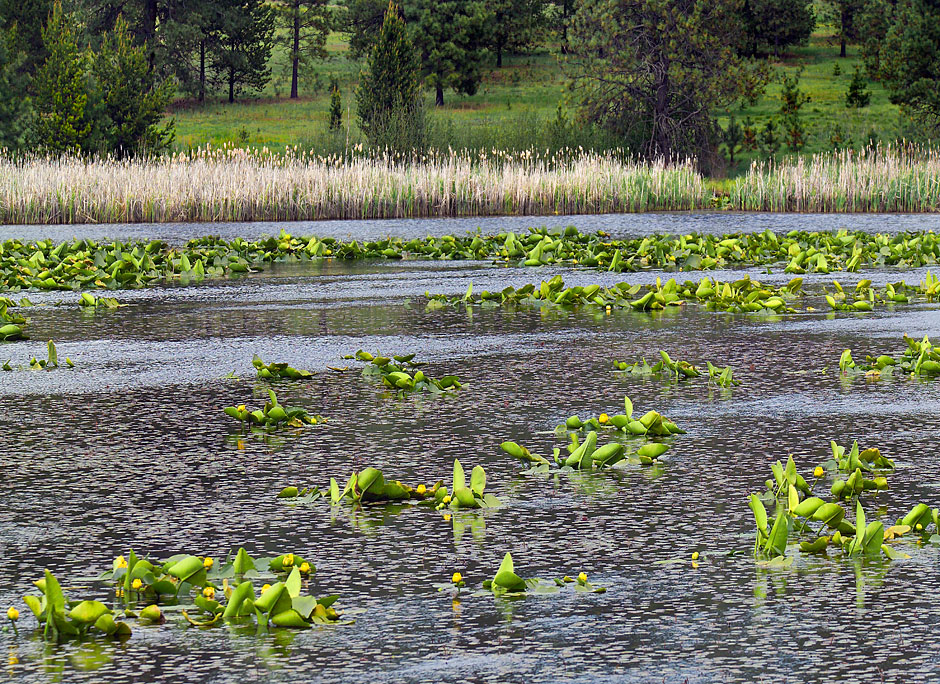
514	101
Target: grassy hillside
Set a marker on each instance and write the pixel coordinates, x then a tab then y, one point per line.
515	101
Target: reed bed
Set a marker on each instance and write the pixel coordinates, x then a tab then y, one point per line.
901	178
232	184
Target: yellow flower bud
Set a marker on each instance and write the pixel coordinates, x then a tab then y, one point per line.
582	577
446	499
241	407
265	588
695	555
136	584
447	517
121	563
209	593
305	568
207	562
421	489
818	472
13	614
603	419
457	578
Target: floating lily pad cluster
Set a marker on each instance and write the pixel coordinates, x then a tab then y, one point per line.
403	375
666	367
587	455
818	524
49	363
271	371
86	264
506	581
921	358
370	485
11	322
273	415
89	301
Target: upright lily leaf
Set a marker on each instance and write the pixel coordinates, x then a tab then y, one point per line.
460	480
478	480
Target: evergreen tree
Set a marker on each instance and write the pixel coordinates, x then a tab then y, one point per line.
515	25
450	37
62	89
858	95
732	137
775	24
845	14
14	107
336	106
792	100
23	21
130	99
909	61
361	21
307	24
241	54
653	71
388	99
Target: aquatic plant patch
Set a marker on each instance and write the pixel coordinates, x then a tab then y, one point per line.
506	581
802	514
667	368
271	371
921	358
402	374
370	485
48	364
273	415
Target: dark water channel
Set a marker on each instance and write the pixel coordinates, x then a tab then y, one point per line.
131	449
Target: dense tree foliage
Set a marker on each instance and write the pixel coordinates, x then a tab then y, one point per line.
22	22
845	15
131	101
246	36
361	20
653	71
908	60
450	37
306	25
62	88
13	106
516	25
388	100
771	25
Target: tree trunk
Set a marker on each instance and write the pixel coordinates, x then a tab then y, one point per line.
499	55
231	86
844	20
202	70
150	29
439	99
295	55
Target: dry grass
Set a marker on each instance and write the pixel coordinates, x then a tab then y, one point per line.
889	179
238	185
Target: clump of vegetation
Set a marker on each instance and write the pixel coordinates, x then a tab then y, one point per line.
271	371
506	581
666	367
921	358
403	375
273	415
799	513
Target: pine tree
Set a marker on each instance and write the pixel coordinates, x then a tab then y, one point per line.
388	98
242	51
792	100
14	108
858	95
62	90
732	137
515	24
307	24
450	37
23	21
336	106
132	102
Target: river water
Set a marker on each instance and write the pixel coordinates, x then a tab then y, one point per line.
131	449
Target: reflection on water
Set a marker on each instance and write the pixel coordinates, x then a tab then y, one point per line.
131	449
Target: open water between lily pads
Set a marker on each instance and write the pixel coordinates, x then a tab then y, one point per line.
131	449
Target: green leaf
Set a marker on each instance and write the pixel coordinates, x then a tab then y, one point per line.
292	583
459	478
478	480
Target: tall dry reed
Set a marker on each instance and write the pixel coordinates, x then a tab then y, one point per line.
240	185
883	179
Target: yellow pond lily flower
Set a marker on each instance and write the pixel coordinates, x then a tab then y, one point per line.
265	588
13	614
136	584
457	578
695	555
582	577
288	560
209	593
305	568
207	562
446	499
818	472
421	489
121	562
